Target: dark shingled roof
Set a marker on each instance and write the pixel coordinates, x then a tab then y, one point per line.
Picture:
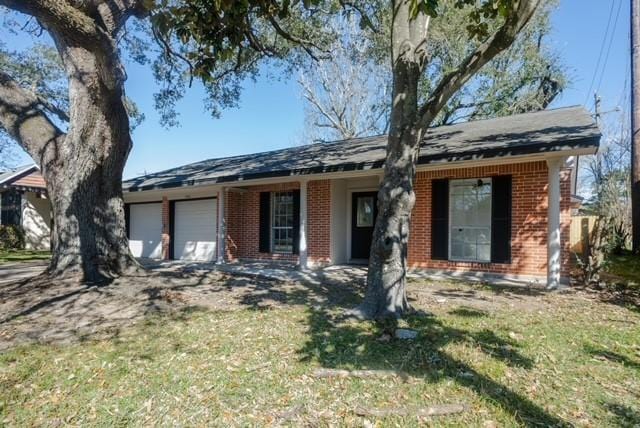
529	133
15	172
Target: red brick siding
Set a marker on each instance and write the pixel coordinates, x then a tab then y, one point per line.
243	223
319	221
33	179
233	217
529	220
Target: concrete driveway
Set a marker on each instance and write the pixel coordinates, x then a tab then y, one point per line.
15	271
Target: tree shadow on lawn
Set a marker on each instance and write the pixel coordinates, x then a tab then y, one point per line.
604	354
624	416
332	342
337	343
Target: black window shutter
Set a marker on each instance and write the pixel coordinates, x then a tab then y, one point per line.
172	228
265	222
501	219
127	219
440	219
11	206
296	222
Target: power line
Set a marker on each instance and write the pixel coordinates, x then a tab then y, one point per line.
613	34
604	41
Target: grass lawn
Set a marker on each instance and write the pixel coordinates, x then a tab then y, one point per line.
7	256
511	358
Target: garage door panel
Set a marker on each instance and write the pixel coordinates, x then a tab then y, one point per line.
145	230
195	230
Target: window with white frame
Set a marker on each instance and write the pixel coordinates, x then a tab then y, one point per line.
282	222
470	220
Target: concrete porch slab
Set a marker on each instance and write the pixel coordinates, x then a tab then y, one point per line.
287	272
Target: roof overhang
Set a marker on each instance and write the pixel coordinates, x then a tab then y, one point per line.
362	170
18	173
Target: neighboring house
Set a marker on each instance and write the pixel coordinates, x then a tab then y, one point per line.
23	202
493	198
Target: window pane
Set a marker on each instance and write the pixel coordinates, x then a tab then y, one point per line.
282	222
470	216
484	253
364	214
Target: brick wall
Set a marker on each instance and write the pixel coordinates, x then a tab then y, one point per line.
528	227
319	222
242	210
243	223
33	179
528	230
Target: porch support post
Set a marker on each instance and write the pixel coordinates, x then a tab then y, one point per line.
302	244
553	224
222	232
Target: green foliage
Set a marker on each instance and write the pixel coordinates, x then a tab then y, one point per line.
38	68
11	237
527	77
221	43
11	256
480	18
610	180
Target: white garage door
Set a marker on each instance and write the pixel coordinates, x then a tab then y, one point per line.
145	230
195	230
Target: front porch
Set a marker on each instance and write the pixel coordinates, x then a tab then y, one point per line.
289	272
519	217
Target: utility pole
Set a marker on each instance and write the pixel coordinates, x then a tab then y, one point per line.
635	125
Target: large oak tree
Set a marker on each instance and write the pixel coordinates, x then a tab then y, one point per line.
494	23
82	166
386	278
82	143
348	94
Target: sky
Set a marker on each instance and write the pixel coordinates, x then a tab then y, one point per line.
271	116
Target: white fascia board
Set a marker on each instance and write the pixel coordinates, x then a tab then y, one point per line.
204	188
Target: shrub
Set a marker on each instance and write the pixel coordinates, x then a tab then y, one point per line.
592	262
11	237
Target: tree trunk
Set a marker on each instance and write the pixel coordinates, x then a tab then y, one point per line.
386	293
84	173
82	168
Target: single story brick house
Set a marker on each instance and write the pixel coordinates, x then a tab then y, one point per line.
23	202
493	198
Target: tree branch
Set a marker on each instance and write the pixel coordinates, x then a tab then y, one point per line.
519	16
21	116
307	45
114	13
61	16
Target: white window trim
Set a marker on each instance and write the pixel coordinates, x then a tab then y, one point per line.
461	259
272	222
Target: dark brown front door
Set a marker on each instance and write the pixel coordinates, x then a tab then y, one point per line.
364	209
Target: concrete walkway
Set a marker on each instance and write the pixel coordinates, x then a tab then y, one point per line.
288	273
15	271
274	271
267	270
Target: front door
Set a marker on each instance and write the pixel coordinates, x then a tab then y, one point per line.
364	209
